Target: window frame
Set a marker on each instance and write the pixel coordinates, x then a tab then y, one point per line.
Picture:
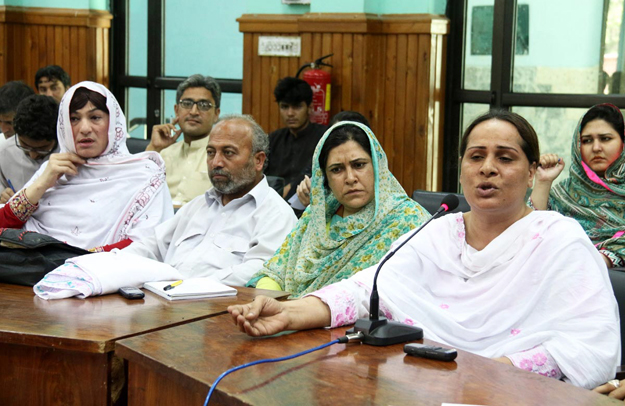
156	82
500	94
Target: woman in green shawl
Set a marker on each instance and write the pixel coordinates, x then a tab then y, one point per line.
594	193
357	209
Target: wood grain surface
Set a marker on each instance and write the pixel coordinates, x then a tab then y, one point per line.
75	39
60	352
389	68
93	324
177	366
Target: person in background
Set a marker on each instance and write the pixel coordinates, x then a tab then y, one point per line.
524	287
232	229
52	81
31	146
291	148
594	192
303	189
93	194
358	210
11	94
197	109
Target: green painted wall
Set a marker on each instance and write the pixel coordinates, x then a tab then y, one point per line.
348	6
342	6
273	7
79	4
405	6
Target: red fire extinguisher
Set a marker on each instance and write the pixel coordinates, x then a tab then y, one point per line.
319	81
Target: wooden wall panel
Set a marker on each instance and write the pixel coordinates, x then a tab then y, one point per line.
412	143
346	73
389	68
3	50
77	40
388	140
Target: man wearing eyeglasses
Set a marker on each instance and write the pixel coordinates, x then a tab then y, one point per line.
197	110
33	143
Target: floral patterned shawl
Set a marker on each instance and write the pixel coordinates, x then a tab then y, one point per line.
598	204
315	255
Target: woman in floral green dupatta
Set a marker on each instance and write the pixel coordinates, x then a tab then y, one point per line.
357	210
594	193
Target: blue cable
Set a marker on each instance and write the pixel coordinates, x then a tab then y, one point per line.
264	361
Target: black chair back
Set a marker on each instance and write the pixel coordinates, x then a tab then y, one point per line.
276	183
617	278
431	201
136	145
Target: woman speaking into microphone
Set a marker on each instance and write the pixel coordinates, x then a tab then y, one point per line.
523	287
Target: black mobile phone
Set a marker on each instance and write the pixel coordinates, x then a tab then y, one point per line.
130	292
431	351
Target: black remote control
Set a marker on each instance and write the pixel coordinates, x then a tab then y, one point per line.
430	351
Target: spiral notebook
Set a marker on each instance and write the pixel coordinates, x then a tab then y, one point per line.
193	288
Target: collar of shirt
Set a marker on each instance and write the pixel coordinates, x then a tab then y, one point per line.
202	143
258	193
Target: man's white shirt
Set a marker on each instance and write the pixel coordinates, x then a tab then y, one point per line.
229	243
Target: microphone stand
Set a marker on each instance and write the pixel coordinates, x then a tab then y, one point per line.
378	330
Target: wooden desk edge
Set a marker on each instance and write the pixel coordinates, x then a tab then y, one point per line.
108	345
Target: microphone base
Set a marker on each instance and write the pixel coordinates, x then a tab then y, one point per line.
382	332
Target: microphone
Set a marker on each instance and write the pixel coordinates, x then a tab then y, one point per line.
378	330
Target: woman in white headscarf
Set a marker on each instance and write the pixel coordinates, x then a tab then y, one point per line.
93	194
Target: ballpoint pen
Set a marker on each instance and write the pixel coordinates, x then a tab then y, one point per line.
11	185
172	285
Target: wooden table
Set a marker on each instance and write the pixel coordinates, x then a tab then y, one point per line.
178	365
61	351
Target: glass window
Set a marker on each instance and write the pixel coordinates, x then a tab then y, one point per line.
522	44
478	44
555	127
470	112
482	30
613	63
137	38
231	103
169	100
136	112
198	39
557	53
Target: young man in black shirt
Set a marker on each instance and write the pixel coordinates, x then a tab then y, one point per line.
291	148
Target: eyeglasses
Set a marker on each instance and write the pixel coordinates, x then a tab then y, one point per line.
203	105
36	151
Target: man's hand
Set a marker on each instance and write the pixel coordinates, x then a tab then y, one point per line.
163	135
6	195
